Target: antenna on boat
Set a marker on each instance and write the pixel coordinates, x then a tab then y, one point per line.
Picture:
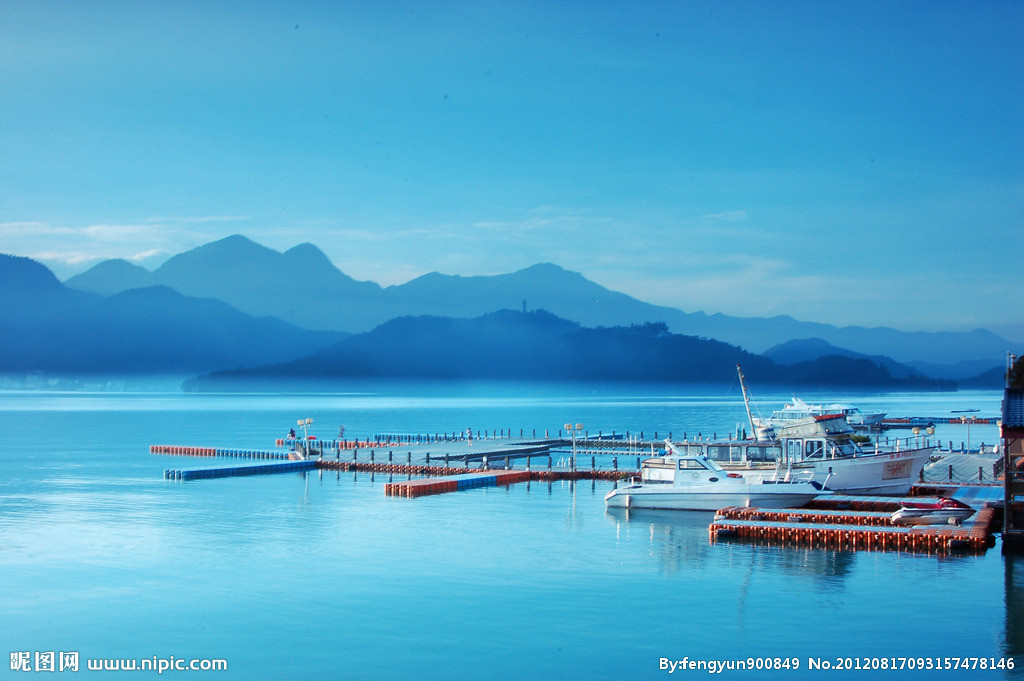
746	401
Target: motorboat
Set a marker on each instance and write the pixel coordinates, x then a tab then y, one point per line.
822	445
798	410
857	418
694	482
940	511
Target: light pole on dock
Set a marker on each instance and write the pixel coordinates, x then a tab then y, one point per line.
572	431
304	424
966	421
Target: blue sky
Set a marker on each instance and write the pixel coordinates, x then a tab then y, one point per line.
844	162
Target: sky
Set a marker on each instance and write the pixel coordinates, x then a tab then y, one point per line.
840	162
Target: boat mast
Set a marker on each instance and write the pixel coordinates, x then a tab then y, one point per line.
746	401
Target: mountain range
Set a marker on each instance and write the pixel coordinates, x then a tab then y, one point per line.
234	304
49	327
302	287
538	346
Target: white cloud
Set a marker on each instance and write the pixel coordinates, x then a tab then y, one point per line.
191	220
727	216
65	257
69	249
31	229
151	253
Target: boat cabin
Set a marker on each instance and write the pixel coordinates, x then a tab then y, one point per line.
805	441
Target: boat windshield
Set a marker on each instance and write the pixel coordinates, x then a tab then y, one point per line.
693	463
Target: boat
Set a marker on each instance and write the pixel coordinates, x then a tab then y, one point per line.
799	410
821	446
695	483
857	418
940	511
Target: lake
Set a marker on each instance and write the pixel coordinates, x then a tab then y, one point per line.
319	575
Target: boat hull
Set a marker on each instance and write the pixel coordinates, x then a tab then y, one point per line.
891	473
672	498
882	474
902	517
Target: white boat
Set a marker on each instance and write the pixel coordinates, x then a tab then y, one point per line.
822	446
799	410
695	483
857	418
939	511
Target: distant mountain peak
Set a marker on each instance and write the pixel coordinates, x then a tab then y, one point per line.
111	276
309	255
547	270
305	248
234	240
22	274
234	244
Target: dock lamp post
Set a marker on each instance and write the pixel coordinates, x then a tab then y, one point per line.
304	424
573	431
967	422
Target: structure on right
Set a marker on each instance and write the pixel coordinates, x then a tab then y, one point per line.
1012	433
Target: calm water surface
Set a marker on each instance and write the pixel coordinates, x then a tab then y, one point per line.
319	575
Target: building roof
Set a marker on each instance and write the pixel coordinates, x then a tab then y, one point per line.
1013	408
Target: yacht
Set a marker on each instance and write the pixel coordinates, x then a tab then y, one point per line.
822	446
799	410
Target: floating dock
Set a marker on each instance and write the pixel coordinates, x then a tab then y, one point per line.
453	483
372	465
235	471
175	450
867	527
434	471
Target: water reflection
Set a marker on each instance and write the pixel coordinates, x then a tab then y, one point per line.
680	541
678	538
1014	600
